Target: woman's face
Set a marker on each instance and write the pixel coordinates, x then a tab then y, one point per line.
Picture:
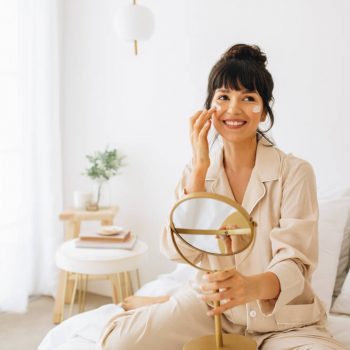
238	113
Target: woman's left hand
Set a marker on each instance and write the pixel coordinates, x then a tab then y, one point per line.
233	287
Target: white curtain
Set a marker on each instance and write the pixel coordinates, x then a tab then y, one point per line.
30	155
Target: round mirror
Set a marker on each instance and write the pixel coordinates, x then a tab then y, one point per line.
208	230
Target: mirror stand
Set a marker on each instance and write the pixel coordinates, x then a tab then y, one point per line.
219	340
195	220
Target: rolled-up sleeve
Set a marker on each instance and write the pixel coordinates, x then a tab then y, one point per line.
294	241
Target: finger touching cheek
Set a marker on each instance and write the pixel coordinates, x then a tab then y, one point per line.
218	108
217	112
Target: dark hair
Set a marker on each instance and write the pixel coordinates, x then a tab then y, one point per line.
243	66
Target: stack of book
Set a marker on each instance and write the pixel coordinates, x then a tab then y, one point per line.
109	237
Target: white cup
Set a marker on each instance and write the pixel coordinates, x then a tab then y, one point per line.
81	199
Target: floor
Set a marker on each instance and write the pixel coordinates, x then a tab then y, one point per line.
25	331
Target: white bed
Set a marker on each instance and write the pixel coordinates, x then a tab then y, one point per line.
82	331
331	282
339	326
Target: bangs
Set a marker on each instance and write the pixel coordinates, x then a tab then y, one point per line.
237	75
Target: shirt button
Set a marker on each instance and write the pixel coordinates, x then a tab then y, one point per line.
252	313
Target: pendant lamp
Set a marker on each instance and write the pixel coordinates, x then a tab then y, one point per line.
134	23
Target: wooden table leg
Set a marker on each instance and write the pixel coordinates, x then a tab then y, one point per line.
85	284
58	310
72	231
80	292
128	286
117	290
131	285
138	279
120	287
73	294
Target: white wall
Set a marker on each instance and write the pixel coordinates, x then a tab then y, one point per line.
142	104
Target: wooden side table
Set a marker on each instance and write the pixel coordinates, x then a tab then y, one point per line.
72	219
114	263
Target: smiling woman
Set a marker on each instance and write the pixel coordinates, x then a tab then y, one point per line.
269	296
270	293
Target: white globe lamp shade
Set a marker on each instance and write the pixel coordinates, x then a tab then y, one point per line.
134	23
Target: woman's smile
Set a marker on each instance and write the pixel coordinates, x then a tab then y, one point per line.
234	123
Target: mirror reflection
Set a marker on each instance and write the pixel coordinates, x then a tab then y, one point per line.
212	226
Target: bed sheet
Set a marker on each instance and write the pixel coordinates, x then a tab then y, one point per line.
82	331
339	326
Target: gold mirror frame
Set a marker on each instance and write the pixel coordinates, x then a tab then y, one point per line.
176	231
219	340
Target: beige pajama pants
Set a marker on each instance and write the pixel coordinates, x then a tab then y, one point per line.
171	324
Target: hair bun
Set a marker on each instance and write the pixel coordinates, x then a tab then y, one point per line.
246	52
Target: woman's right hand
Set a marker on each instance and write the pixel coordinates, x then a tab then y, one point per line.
199	128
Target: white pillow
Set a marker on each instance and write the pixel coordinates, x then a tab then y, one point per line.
332	221
344	258
334	193
342	303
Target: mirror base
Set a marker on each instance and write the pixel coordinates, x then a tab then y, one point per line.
231	341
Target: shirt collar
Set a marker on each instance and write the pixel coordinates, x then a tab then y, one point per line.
267	163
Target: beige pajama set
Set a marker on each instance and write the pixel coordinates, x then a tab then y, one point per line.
281	198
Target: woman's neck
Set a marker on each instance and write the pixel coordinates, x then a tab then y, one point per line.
240	156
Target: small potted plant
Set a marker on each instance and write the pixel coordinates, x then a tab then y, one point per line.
103	166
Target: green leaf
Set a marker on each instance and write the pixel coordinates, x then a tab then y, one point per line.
104	165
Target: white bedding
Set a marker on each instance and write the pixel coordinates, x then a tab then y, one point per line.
82	331
339	326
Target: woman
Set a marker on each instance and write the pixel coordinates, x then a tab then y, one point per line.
269	296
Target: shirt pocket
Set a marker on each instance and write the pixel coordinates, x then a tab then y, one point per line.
298	315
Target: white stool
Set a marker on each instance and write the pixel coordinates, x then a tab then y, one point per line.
114	264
